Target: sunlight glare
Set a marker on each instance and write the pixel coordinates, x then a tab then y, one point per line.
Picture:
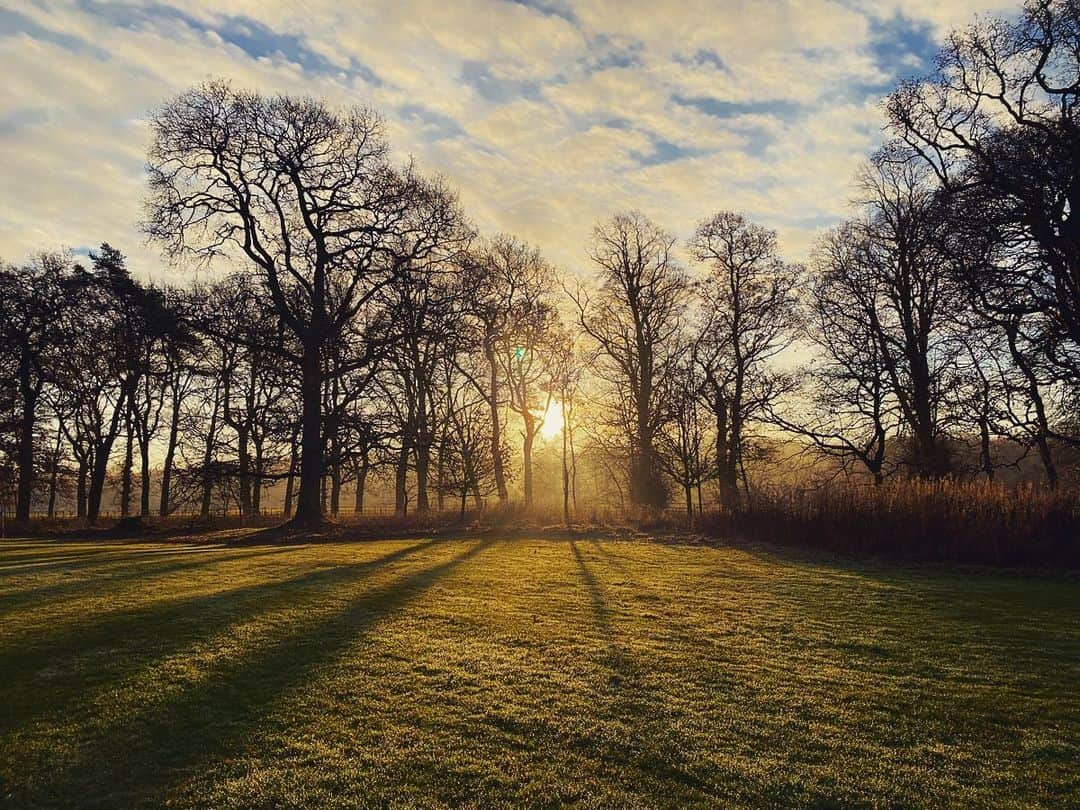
552	421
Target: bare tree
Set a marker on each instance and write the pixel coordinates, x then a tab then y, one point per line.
178	371
466	462
32	299
848	412
525	356
307	194
501	277
567	366
999	125
683	441
635	319
749	317
904	254
423	330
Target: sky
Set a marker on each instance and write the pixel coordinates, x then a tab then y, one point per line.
546	115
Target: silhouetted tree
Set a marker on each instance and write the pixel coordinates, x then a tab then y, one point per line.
525	355
999	125
749	317
848	412
32	299
500	277
635	318
308	195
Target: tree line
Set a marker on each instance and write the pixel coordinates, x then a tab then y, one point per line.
365	328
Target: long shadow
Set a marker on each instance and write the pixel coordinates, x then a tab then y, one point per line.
632	700
94	559
118	573
617	560
601	611
230	706
42	669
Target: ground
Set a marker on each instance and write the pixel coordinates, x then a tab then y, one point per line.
535	672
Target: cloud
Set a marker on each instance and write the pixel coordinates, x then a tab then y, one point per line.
546	115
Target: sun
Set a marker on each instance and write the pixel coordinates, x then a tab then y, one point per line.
552	420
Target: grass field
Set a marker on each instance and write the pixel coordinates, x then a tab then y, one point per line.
488	672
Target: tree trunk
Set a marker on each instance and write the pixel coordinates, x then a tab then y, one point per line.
144	475
335	486
258	478
361	480
80	489
170	456
26	440
1047	458
244	458
1037	400
208	454
126	470
54	473
291	477
496	430
565	464
573	465
308	505
401	504
423	465
526	457
97	481
730	478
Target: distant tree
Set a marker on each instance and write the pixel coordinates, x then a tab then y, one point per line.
466	462
847	412
749	317
32	299
636	319
682	442
566	369
525	355
500	277
179	363
308	195
423	319
110	329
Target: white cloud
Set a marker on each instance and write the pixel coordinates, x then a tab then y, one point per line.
545	121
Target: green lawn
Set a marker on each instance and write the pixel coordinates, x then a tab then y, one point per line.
487	672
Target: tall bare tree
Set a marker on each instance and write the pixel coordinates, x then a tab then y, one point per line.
635	318
499	278
749	317
847	411
525	354
32	299
999	124
307	195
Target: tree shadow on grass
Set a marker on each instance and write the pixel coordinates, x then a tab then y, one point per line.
117	573
138	757
616	560
44	669
76	561
632	702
